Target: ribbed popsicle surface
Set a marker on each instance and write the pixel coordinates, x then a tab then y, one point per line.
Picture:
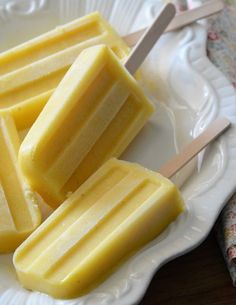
19	214
29	73
120	208
95	112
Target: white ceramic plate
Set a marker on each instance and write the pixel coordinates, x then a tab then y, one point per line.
191	93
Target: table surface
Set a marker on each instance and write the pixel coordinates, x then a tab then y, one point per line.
197	278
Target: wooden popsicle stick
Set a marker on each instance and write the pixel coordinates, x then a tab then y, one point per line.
191	150
181	19
149	38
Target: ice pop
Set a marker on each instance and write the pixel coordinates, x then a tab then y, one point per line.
30	72
115	212
95	112
19	213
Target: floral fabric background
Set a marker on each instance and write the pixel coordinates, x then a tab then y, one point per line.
221	43
226	235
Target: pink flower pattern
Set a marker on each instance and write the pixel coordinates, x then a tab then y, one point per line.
212	35
221	44
231	252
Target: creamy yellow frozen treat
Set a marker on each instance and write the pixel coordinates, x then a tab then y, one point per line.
116	211
19	212
94	114
30	72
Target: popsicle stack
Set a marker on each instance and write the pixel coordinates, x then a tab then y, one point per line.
73	89
29	75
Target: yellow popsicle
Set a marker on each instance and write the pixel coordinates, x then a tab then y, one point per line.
115	212
30	72
94	114
19	212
